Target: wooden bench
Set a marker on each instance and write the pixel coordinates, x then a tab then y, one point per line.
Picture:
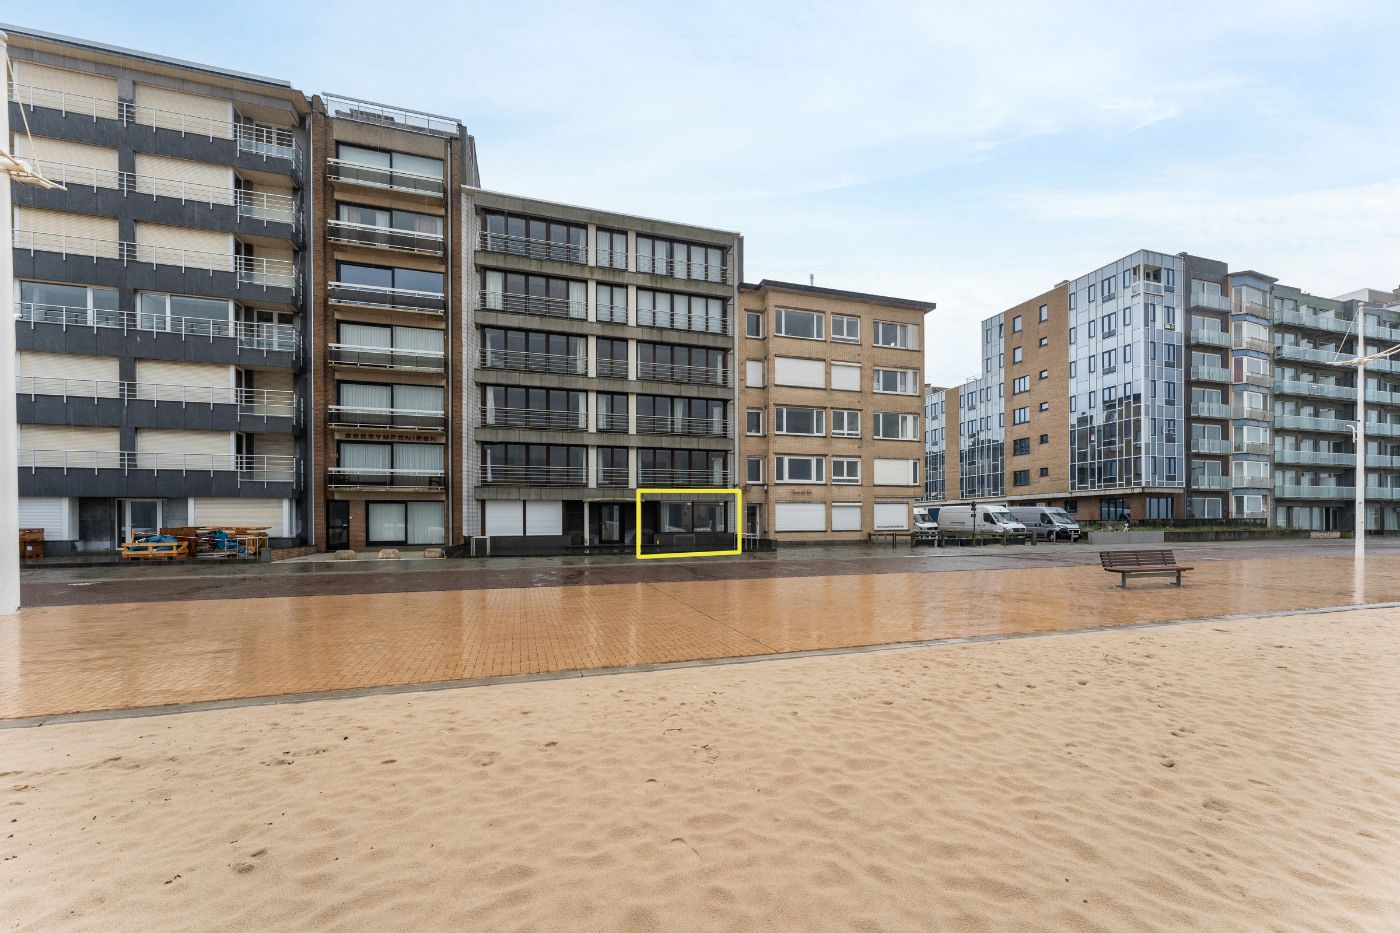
1145	563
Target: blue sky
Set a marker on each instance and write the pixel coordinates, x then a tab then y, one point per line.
969	154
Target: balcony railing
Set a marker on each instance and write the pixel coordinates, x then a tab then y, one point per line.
1210	374
532	304
1209	445
255	138
671	372
262	403
1206	337
410	241
610	368
1262	380
1204	299
399	419
376	176
254	336
689	427
358	477
1315	389
257	271
1258	448
614	476
1313	321
260	468
1383	492
679	478
613	423
534	419
423	361
1317	458
525	475
525	361
1291	491
1209	410
400	118
1253	343
1209	481
1252	414
1311	423
376	296
697	271
532	248
696	323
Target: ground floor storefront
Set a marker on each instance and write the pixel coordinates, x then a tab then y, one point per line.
98	525
665	522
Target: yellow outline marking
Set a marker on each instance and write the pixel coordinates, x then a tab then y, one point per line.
709	491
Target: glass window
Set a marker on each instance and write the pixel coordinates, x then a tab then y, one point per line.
790	420
754	469
1021	416
845	328
899	336
845	422
1016	324
800	469
753	324
896	381
845	470
895	426
753	421
807	325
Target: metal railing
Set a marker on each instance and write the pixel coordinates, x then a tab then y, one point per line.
614	476
612	258
263	403
671	372
1312	423
354	477
259	468
533	419
1255	308
1315	389
614	423
525	475
425	361
1253	343
1293	491
401	118
1258	448
532	248
343	231
1383	492
691	427
376	296
696	271
250	335
695	323
377	176
532	304
1209	445
1209	481
609	368
251	270
1262	380
611	314
675	478
526	361
404	419
1253	414
1207	337
1317	458
1203	299
1209	410
1210	374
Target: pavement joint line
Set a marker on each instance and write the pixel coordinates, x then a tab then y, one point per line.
350	693
742	634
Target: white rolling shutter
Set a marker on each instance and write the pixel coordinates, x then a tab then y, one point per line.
64	232
68	374
76	92
505	518
274	445
70	163
56	445
799	516
194	114
184	178
184	246
891	516
50	514
175	373
845	516
544	518
845	376
895	472
789	371
240	513
753	374
214	444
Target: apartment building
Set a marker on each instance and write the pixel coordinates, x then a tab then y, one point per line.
602	352
159	294
387	301
832	411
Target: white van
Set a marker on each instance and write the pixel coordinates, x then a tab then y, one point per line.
926	518
1046	522
990	521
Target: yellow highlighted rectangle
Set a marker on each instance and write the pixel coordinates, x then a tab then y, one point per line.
738	520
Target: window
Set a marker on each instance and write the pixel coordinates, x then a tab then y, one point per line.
419	173
1044	471
899	336
805	325
405	523
681	260
1045	438
612	412
845	377
1020	446
1045	374
845	470
789	469
753	324
753	469
753	374
518	292
791	420
753	421
1021	416
1016	324
896	381
538	351
612	249
1108	325
1113	510
845	422
1110	360
1071	335
1091	298
1045	341
896	426
537	238
1015	354
1044	406
845	328
611	303
682	312
1021	384
1044	313
1021	478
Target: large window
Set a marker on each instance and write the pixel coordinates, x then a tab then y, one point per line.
534	464
612	303
899	336
384	168
896	426
405	523
536	237
662	467
369	396
845	328
845	470
383	217
613	412
70	304
612	357
665	414
157	311
682	312
897	381
537	351
535	294
792	420
673	363
612	249
806	325
389	277
534	408
679	259
845	422
391	464
791	469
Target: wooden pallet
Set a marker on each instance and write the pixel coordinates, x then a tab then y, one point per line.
155	550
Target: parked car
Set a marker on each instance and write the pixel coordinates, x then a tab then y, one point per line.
1048	523
989	521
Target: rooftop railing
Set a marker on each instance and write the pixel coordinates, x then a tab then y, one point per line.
376	296
378	176
361	477
411	241
263	403
253	336
399	419
401	118
555	250
426	361
260	468
251	270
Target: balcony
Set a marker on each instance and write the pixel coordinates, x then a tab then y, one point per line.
389	419
1282	491
258	139
552	250
1253	343
1239	306
1314	389
1209	445
683	427
407	241
609	423
265	337
254	271
613	369
360	478
614	477
1207	337
1259	449
533	419
1203	299
260	469
647	476
671	372
1316	458
1260	380
1209	481
679	269
1209	410
1311	321
1251	414
387	115
1210	374
395	299
560	364
256	403
376	176
1383	429
1310	423
1383	492
695	323
420	361
527	475
1312	355
532	304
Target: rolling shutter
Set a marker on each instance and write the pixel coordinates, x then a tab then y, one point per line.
891	516
544	518
505	518
845	516
789	371
174	373
94	95
165	441
70	163
274	445
61	231
184	246
50	514
895	472
188	113
57	445
799	516
211	184
52	366
753	374
845	376
240	513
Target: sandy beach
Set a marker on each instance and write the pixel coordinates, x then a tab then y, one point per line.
1212	776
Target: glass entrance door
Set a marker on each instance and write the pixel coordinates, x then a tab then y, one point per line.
137	516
